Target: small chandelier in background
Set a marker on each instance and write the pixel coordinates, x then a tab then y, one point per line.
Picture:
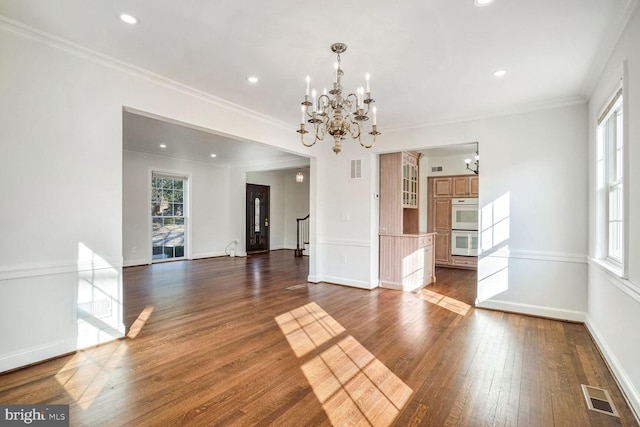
299	176
338	115
476	163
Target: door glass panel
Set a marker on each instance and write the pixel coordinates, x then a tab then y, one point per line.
461	242
167	217
256	215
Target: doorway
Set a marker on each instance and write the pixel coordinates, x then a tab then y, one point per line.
168	217
449	197
257	208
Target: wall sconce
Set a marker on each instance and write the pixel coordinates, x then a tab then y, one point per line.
476	163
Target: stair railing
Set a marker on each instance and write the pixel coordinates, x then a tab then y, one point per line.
302	235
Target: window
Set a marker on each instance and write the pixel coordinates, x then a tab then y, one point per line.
167	216
610	183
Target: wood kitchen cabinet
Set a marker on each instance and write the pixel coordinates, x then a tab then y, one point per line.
465	186
406	256
442	247
407	261
439	222
441	191
399	193
441	187
442	214
464	261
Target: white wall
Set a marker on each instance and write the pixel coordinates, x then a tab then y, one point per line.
533	200
208	216
451	165
614	303
61	117
533	169
346	217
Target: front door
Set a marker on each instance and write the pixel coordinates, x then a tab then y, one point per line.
257	218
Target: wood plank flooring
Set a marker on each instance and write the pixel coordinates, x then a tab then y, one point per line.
246	341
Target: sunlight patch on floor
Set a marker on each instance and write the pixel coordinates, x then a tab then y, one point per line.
353	386
443	301
86	375
140	322
308	327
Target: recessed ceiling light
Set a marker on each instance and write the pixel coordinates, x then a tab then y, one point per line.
163	145
252	79
129	19
481	3
213	155
499	73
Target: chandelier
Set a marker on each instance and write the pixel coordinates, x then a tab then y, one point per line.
476	163
337	115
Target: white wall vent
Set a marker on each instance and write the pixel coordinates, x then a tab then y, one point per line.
436	169
356	168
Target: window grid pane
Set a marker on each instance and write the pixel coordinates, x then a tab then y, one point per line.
615	223
609	183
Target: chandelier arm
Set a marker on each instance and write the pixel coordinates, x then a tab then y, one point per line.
320	129
322	103
372	142
353	102
304	143
354	129
371	103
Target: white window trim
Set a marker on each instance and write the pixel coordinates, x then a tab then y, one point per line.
619	269
188	255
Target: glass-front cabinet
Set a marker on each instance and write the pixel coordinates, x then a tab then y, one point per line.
409	180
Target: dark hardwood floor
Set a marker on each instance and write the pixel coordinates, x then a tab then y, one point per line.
247	341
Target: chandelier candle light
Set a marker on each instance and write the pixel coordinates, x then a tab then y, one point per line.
337	115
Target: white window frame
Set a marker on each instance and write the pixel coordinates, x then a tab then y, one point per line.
611	178
186	176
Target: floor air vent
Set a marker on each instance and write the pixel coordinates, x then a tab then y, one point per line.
599	400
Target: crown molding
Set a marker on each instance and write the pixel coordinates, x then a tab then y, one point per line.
22	30
626	12
510	111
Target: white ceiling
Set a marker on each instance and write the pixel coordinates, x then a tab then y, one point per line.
431	61
146	135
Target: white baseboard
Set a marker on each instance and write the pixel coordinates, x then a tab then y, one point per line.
209	255
631	393
534	310
342	281
36	354
135	262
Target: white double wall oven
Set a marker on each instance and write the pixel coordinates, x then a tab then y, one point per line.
464	227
